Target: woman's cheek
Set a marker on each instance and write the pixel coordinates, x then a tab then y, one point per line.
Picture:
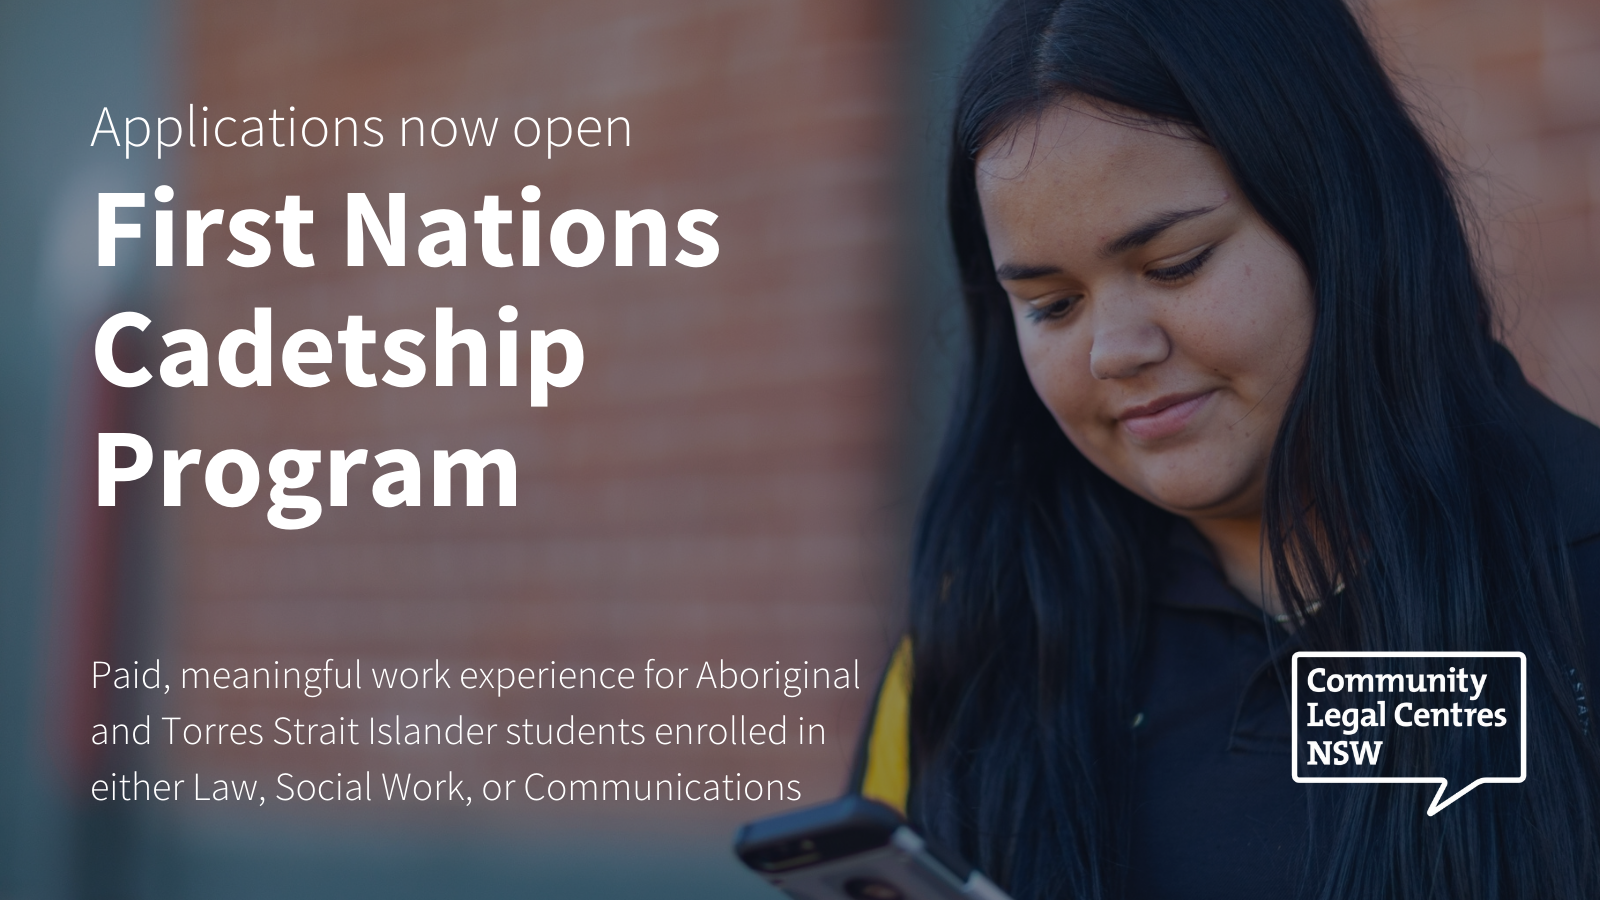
1069	393
1044	367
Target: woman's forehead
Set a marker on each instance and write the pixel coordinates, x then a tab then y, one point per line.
1074	172
1089	147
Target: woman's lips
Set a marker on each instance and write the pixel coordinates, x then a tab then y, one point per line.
1164	416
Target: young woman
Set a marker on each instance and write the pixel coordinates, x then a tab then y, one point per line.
1233	391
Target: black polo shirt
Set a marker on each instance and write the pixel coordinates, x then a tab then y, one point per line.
1216	813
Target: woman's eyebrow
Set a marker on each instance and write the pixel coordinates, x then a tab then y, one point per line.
1022	271
1148	231
1137	237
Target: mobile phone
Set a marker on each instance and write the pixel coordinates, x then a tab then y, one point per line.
856	849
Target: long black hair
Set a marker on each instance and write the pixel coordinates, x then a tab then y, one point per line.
1398	472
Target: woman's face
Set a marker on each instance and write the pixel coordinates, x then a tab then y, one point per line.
1160	319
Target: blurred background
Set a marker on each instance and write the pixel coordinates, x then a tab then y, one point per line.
733	476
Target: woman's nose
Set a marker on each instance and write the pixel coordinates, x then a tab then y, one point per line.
1124	345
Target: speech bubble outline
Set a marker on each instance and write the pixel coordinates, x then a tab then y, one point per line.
1444	783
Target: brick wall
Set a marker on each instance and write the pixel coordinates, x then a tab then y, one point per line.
715	484
1513	92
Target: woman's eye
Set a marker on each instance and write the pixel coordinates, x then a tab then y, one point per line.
1054	309
1182	270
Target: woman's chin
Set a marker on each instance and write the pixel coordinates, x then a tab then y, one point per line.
1200	496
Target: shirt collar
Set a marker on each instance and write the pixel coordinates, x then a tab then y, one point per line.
1194	579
